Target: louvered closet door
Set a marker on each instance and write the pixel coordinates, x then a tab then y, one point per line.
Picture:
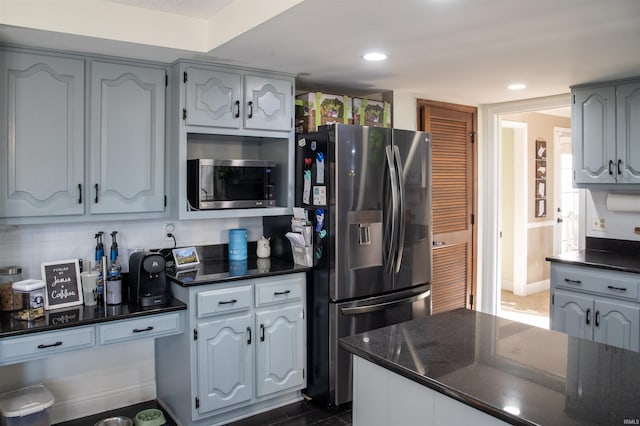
452	128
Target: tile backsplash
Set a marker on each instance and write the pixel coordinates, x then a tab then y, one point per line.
29	245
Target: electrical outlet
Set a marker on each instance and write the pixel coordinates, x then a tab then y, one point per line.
597	224
169	228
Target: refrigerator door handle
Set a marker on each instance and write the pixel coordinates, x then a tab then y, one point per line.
392	239
401	208
386	304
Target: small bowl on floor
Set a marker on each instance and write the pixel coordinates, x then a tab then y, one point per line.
150	417
115	421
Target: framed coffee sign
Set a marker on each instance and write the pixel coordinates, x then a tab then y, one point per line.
62	284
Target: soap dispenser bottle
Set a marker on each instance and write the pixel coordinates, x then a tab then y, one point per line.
114	276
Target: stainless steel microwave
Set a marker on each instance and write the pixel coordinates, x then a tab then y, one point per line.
230	184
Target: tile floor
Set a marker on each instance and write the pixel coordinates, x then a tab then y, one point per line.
303	413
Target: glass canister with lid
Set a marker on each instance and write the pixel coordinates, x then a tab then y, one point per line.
8	276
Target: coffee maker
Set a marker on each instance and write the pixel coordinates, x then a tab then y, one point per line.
148	281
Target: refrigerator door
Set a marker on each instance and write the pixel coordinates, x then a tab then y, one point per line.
357	217
363	315
412	264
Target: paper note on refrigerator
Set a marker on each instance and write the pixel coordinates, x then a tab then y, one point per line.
306	190
320	195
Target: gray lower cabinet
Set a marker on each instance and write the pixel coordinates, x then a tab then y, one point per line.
51	172
606	135
596	304
42	138
280	349
48	343
245	352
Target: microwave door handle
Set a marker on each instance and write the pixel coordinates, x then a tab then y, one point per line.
401	207
386	303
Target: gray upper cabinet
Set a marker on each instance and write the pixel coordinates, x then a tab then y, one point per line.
42	141
268	102
234	99
212	98
80	137
606	133
628	127
126	138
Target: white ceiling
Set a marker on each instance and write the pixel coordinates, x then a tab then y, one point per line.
463	51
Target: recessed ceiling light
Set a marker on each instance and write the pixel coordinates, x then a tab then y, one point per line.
374	56
516	86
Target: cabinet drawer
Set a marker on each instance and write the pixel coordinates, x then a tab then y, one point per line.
151	326
281	290
217	302
18	349
599	281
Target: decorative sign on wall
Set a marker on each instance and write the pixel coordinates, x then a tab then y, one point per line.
540	204
62	283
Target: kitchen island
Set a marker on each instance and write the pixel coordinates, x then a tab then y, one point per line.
464	365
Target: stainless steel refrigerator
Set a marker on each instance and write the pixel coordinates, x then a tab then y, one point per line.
367	193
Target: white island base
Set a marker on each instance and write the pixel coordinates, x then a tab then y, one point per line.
382	397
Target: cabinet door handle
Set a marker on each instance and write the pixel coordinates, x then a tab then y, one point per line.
249	339
237	113
51	345
616	288
262	332
250	115
141	330
280	293
619	167
611	167
96	186
597	318
227	302
574	282
79	193
588	316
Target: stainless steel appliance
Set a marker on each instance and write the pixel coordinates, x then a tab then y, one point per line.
220	184
148	282
367	192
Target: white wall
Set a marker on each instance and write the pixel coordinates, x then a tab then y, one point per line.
404	110
90	381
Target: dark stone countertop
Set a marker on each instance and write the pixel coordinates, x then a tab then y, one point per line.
490	363
603	253
600	259
212	271
77	316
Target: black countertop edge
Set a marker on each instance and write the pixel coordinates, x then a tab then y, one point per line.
598	259
435	385
90	315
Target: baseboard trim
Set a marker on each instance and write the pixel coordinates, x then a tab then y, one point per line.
88	405
537	286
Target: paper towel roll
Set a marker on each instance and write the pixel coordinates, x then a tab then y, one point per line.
623	203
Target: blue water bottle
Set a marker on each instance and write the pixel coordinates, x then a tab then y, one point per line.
238	244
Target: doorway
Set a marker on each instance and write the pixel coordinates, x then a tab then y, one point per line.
530	189
488	192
